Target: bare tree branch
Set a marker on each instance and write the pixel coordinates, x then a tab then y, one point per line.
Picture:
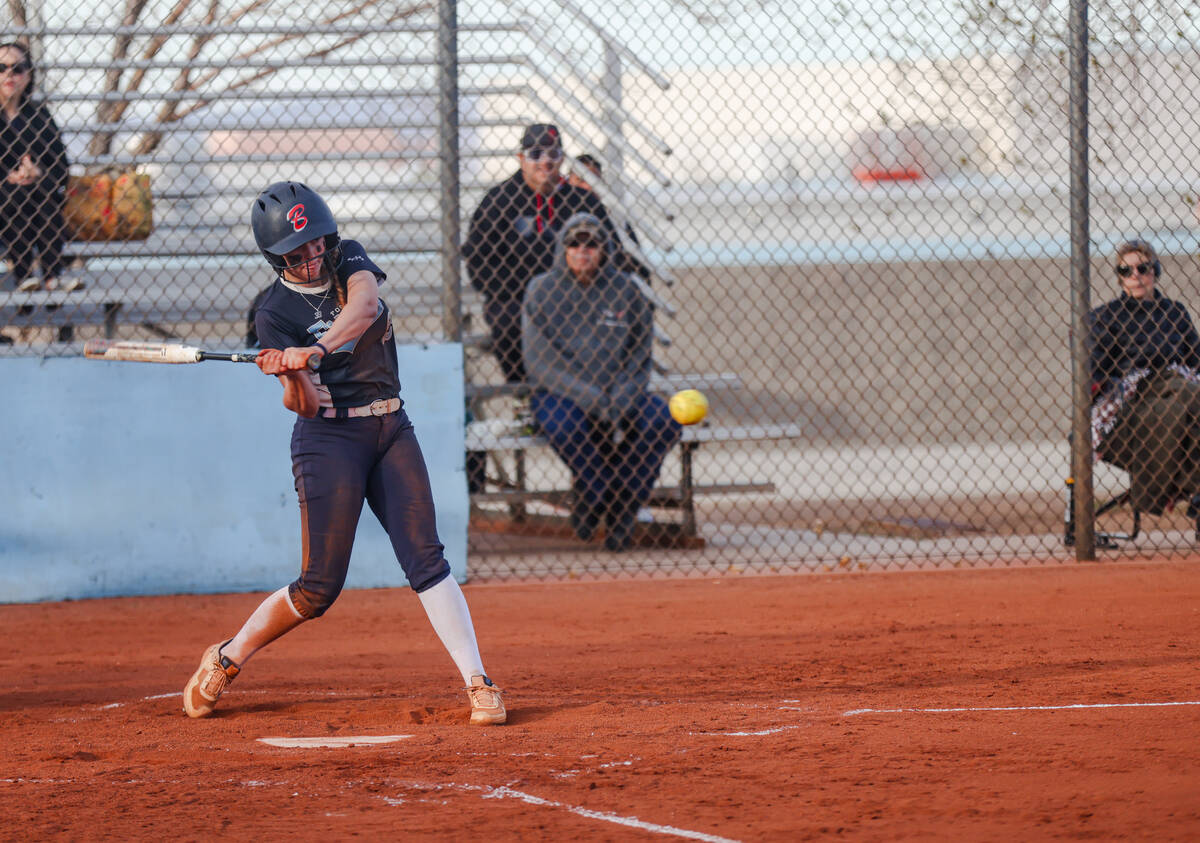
116	110
169	112
156	44
340	45
20	17
204	79
110	113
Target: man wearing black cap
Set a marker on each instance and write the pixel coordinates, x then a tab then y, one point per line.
513	233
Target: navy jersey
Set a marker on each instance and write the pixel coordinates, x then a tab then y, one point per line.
358	372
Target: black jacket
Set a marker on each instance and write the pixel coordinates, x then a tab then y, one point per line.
513	233
1128	334
33	133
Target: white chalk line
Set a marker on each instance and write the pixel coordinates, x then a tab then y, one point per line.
249	692
504	792
24	780
771	731
1074	706
143	699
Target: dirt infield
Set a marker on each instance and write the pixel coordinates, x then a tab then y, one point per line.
1029	703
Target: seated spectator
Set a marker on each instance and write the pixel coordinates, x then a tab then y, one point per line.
1145	362
587	333
34	162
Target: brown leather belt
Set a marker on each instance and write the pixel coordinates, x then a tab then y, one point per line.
378	407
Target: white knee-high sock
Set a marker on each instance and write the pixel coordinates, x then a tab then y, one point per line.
451	619
273	617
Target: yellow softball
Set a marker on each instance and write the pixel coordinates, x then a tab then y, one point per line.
688	406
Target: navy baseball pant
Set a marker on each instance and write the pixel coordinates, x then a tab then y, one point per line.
339	463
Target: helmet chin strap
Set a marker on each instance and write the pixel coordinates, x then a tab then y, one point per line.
320	281
323	278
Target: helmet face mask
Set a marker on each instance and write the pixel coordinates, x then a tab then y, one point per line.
289	214
295	264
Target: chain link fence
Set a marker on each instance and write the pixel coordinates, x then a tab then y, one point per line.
850	228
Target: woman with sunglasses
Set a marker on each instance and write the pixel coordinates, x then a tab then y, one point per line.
1145	362
33	161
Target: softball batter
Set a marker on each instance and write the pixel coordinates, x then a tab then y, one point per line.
352	441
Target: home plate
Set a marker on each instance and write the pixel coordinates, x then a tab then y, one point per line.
332	741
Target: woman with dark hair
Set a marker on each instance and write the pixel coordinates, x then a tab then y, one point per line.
352	442
1145	361
33	162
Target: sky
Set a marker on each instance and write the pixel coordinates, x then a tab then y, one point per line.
674	34
742	33
693	34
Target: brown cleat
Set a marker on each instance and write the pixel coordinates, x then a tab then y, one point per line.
209	681
487	707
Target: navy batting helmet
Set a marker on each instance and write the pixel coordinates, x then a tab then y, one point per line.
287	215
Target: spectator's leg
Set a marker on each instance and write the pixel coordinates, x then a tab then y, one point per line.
8	218
504	318
476	467
642	454
637	462
570	433
15	231
50	238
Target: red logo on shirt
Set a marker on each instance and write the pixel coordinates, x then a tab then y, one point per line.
296	217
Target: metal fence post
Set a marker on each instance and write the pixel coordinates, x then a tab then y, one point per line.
449	170
1081	441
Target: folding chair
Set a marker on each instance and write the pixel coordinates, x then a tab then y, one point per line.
1104	540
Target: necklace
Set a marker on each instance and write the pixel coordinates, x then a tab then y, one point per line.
316	307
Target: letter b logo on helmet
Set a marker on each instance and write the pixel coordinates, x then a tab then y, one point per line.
296	217
287	215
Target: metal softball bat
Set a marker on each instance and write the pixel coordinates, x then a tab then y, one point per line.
168	352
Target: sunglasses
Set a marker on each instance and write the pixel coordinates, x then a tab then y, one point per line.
19	68
1125	270
550	153
582	243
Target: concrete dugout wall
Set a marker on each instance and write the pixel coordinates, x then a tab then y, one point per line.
132	478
